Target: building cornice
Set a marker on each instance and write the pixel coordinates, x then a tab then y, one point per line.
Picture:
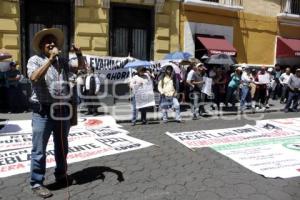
213	5
288	19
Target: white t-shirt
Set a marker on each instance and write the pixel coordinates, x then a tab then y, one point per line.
87	82
284	78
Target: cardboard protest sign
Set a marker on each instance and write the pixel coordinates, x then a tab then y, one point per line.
144	95
207	87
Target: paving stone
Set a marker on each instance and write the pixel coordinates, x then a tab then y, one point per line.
245	189
207	195
279	195
258	196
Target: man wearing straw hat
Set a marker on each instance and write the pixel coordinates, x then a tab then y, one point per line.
49	73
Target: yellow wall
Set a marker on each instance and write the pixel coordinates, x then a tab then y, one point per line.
253	35
262	7
289	31
9	28
254	31
92	27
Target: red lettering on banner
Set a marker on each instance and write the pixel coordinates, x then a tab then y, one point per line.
214	141
86	155
50	160
11	167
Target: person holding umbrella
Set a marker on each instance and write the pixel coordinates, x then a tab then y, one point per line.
168	88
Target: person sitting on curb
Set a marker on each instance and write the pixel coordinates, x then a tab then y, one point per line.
294	92
167	88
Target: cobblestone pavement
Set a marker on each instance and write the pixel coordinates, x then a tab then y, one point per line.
168	171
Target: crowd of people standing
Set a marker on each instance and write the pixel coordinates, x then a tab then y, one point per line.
251	87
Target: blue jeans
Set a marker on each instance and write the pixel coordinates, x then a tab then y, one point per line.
245	96
170	102
294	97
42	127
197	104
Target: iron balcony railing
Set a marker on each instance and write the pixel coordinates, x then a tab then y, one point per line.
226	2
290	7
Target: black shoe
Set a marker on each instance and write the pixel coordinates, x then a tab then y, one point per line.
41	191
194	117
178	121
133	124
144	122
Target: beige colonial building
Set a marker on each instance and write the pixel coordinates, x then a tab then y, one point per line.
149	29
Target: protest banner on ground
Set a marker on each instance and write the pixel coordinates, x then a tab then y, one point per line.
97	122
16	127
24	126
208	138
144	95
24	140
14	162
288	123
272	158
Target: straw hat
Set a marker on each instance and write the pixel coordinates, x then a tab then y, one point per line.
57	33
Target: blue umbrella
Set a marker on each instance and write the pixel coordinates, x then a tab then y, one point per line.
138	63
178	55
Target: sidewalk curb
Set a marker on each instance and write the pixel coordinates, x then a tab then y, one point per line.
223	114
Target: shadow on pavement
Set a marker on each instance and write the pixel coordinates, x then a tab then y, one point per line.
87	175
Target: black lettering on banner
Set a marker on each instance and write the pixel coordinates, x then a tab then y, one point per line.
245	130
76	149
110	141
98	63
124	75
103	132
78	134
19	159
82	147
113	76
50	152
2	162
92	62
10	160
122	148
26	138
108	76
